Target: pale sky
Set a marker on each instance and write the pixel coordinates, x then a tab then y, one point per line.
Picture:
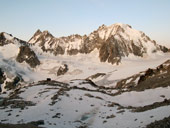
22	18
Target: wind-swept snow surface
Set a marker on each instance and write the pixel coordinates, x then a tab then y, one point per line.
62	105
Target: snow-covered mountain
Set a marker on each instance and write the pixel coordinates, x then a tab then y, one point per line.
62	82
112	42
14	54
17	49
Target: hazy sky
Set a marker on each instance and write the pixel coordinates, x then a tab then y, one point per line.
65	17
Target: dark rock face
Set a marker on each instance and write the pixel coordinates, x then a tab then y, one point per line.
18	126
151	78
37	123
14	83
148	73
96	76
2	77
3	40
62	70
9	85
27	55
73	52
90	44
165	123
110	51
59	50
137	50
164	49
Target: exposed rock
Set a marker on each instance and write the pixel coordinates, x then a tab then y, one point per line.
89	95
148	73
16	103
111	116
112	42
2	76
6	38
48	79
3	40
151	106
57	115
164	123
18	126
28	56
14	83
164	49
151	78
96	75
62	70
72	51
59	50
137	50
110	51
37	123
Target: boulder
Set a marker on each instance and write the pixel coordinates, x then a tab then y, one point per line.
62	70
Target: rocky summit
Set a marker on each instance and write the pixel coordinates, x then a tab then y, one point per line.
112	42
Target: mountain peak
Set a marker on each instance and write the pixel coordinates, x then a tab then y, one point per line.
47	33
105	32
6	36
38	31
113	42
40	34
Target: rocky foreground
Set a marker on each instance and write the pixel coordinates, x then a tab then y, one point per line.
79	104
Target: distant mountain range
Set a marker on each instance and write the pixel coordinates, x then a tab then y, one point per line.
112	42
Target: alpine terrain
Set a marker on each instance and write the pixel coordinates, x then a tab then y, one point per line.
115	77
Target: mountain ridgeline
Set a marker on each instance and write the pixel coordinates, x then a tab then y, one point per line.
49	79
112	42
21	48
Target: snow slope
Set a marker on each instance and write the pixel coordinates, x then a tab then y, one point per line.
77	98
78	107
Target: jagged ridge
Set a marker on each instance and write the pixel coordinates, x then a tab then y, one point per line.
149	79
112	42
25	52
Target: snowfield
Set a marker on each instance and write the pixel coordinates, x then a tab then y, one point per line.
86	106
84	95
76	107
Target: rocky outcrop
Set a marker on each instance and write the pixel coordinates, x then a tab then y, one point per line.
62	70
18	126
149	79
28	56
113	42
96	76
3	40
2	76
110	51
164	123
13	84
6	38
